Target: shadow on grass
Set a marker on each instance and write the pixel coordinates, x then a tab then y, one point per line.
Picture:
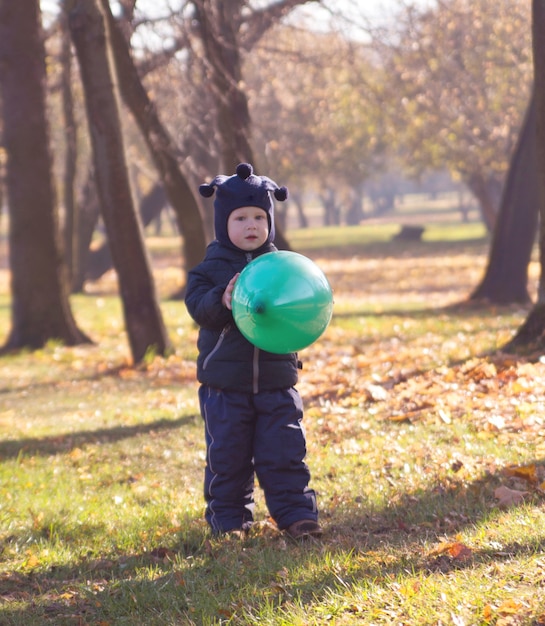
126	588
60	444
112	372
119	592
195	579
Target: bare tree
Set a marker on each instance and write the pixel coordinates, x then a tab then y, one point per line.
223	40
531	335
143	320
71	207
162	149
39	285
506	276
219	23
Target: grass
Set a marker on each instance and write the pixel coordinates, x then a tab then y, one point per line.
415	425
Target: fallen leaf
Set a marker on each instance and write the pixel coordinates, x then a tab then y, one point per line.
509	497
526	472
454	549
32	561
510	607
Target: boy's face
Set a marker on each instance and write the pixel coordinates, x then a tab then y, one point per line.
248	228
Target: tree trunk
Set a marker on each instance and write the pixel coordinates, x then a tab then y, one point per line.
531	335
89	214
488	193
331	210
219	23
297	199
100	260
39	280
506	277
160	145
71	220
355	213
143	320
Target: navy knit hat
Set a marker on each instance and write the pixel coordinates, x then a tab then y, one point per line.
242	189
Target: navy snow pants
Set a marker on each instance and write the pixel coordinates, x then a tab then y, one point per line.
255	434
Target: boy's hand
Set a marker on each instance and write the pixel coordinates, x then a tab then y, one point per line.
227	294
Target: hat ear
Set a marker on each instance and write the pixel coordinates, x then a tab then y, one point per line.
244	170
206	190
281	193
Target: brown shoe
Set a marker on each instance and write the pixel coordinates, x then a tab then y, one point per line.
304	528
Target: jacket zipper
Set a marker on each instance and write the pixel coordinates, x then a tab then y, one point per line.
255	363
255	369
225	330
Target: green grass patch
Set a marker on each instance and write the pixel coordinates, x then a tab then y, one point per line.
378	238
426	447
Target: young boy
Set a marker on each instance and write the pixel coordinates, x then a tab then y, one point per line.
251	410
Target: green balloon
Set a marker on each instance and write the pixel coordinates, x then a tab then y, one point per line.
282	302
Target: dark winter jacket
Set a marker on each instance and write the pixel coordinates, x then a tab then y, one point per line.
227	360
